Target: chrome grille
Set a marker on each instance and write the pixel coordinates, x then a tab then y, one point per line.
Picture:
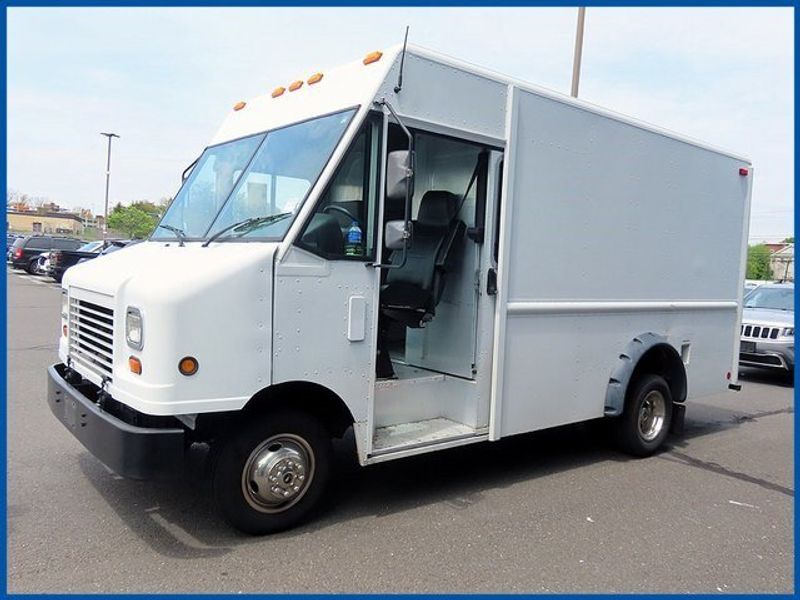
758	332
91	336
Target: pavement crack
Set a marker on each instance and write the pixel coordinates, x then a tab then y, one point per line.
788	410
706	465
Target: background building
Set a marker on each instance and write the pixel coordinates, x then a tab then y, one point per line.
781	261
44	222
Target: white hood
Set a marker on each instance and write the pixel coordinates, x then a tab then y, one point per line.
213	303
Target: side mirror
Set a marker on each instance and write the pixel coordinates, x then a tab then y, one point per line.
400	174
396	235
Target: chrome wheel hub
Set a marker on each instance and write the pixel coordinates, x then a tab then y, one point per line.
651	415
277	473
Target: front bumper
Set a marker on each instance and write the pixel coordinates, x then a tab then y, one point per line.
772	355
128	449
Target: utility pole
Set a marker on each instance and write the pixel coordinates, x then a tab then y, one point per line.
108	178
576	61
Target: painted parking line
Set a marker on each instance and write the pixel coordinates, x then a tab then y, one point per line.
34	279
38	280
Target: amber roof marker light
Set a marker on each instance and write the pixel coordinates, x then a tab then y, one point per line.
296	85
372	57
239	105
315	78
278	91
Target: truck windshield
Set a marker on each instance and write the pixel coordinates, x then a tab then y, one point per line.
253	177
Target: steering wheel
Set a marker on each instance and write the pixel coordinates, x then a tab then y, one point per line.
343	211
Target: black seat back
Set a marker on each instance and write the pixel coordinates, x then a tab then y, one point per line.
412	291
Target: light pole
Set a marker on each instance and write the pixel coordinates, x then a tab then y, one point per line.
576	61
108	177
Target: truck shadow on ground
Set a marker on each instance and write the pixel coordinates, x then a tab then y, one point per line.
176	518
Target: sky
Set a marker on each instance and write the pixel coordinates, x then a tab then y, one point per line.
163	79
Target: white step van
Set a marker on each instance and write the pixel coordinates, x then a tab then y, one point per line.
428	252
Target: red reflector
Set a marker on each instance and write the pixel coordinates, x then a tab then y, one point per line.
743	172
728	375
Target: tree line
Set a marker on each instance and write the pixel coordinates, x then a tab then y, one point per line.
758	260
138	219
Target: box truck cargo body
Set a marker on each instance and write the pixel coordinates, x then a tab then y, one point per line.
439	260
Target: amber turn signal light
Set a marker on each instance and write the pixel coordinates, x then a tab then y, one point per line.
372	57
188	366
135	365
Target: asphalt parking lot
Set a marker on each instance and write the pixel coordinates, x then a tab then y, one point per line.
555	511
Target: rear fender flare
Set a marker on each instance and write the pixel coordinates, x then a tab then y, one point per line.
625	368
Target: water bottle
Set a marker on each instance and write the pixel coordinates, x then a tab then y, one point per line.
353	246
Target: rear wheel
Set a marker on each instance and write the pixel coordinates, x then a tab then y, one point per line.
273	474
31	268
645	422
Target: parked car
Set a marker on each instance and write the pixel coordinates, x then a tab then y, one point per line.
751	284
42	263
26	250
768	327
10	239
61	260
117	245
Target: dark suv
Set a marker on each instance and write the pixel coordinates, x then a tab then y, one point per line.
26	250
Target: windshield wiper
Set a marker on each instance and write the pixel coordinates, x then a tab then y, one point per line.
248	225
177	231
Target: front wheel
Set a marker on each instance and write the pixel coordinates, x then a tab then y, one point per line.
644	424
272	475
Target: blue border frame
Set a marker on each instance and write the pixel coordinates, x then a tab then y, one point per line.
395	3
355	3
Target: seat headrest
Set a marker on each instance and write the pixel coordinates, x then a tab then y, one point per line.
437	208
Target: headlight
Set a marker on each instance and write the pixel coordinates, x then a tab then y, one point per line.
64	304
788	332
134	330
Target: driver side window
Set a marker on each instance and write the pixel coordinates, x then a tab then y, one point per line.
343	224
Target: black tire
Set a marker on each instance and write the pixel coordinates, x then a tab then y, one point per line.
31	268
628	428
294	436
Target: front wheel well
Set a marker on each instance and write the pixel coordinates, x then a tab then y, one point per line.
307	397
301	396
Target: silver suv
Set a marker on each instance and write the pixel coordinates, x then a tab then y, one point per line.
768	327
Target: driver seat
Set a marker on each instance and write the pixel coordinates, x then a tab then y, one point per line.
412	291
